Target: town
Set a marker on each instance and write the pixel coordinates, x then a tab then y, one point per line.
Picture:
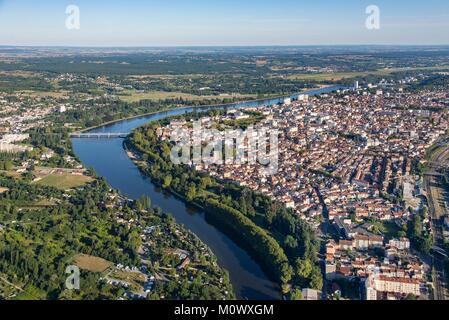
347	203
351	165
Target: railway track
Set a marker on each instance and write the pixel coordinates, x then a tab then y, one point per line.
435	193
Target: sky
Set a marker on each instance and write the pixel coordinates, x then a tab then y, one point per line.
223	22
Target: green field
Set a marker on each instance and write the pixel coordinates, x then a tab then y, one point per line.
133	96
64	181
348	75
92	263
51	94
12	174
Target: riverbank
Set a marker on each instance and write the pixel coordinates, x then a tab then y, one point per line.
267	257
136	157
109	160
255	101
260	224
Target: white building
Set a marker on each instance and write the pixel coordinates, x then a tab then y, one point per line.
311	295
6	143
375	284
11	138
370	290
400	244
303	97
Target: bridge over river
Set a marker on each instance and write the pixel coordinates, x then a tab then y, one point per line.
99	135
109	159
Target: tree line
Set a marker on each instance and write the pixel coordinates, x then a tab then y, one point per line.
285	245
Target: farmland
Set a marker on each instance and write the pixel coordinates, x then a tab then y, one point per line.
92	263
64	181
337	76
135	96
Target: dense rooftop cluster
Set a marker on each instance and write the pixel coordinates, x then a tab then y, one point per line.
347	159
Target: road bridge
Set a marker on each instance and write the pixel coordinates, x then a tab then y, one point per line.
109	135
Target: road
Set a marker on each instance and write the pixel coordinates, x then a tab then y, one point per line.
438	199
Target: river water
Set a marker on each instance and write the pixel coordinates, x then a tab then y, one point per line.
110	160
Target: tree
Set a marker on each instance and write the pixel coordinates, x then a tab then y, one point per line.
286	273
296	294
191	192
285	288
205	182
3	165
411	297
8	165
290	245
416	226
424	243
304	268
270	215
144	203
316	279
167	181
402	234
242	205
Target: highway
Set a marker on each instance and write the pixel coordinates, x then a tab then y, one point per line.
438	202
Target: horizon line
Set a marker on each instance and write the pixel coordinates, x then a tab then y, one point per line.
224	46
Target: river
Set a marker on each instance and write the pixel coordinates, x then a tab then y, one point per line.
110	160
